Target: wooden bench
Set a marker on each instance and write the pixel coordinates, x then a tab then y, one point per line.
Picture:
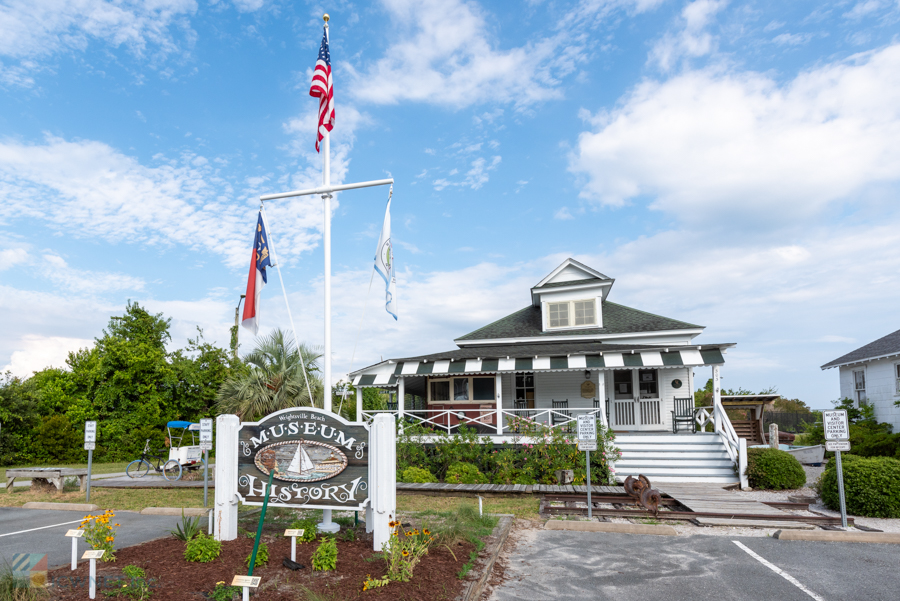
55	475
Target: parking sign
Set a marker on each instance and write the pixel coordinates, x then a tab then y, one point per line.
836	425
587	433
206	433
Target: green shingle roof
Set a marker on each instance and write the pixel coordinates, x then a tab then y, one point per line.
617	319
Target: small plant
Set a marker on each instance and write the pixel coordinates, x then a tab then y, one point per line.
224	592
774	470
417	475
325	556
18	589
262	556
348	535
202	549
403	553
465	473
187	529
136	586
371	583
99	533
309	527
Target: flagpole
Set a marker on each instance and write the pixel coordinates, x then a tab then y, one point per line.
327	525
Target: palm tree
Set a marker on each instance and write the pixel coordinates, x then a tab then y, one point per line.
273	379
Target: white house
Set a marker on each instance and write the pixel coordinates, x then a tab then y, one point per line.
573	351
871	374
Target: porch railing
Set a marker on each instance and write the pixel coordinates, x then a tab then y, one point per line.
489	421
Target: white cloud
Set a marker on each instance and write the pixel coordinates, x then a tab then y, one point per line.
32	29
692	40
10	257
86	282
89	189
35	352
563	214
476	176
792	39
708	143
444	54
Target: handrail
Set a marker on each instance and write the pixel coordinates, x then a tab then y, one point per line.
727	434
440	418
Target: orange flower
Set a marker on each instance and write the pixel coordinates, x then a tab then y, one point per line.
110	539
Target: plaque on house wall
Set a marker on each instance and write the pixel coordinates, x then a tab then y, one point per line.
588	389
676	383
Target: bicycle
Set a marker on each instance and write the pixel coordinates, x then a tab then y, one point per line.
171	469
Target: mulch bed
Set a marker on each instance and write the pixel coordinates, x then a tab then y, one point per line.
175	579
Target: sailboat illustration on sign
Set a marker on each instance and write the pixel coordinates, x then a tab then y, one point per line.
301	463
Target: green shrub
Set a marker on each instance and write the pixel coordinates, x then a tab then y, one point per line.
465	473
202	549
774	470
871	486
325	556
224	592
262	556
416	474
56	440
187	529
309	527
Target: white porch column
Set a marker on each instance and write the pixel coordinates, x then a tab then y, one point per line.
498	392
226	508
717	397
601	395
359	405
401	394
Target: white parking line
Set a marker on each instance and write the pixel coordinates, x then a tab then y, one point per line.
779	571
41	528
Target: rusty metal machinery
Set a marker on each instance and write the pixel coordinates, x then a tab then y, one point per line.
640	489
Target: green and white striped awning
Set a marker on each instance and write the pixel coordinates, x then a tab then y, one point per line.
386	374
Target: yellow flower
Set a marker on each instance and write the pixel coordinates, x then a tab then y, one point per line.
117	524
220	582
109	539
405	553
426	531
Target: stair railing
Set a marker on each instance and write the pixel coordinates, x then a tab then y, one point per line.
735	445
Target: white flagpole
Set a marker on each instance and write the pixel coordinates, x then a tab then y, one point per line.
327	525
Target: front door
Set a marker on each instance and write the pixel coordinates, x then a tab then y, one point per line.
636	401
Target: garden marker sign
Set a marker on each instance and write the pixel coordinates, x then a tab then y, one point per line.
316	460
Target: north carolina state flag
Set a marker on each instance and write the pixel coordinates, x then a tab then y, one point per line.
259	260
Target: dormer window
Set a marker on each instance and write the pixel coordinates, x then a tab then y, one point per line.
571	313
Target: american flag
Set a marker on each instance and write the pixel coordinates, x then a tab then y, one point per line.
322	88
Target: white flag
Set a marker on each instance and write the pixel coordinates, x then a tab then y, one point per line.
384	262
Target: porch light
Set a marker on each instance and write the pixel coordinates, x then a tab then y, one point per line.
587	374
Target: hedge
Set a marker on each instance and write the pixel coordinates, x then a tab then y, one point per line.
774	470
871	486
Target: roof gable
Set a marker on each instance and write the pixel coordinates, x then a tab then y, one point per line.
884	346
617	319
571	270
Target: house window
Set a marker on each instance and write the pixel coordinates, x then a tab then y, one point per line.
859	386
897	376
440	391
584	313
483	389
460	389
622	383
559	315
524	390
571	313
648	385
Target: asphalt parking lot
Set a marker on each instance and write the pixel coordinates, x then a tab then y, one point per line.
564	565
43	531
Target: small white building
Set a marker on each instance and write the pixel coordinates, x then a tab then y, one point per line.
573	351
871	375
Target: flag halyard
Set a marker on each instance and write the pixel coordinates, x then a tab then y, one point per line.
322	88
259	261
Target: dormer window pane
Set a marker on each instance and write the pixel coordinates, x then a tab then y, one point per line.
559	315
584	313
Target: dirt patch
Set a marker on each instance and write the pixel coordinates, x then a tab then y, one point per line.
174	579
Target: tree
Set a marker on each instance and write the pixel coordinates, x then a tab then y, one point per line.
273	379
199	371
19	415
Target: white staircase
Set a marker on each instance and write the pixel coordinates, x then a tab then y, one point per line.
674	458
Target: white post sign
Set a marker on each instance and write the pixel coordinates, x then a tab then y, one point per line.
837	435
836	425
206	434
587	442
90	436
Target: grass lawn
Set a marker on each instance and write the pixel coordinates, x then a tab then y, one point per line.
522	506
133	499
96	468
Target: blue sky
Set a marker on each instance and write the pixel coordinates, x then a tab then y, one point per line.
732	164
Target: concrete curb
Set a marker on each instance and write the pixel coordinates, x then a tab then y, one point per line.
658	529
188	511
836	536
61	506
475	589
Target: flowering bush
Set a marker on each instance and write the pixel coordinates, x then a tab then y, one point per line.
403	553
99	533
